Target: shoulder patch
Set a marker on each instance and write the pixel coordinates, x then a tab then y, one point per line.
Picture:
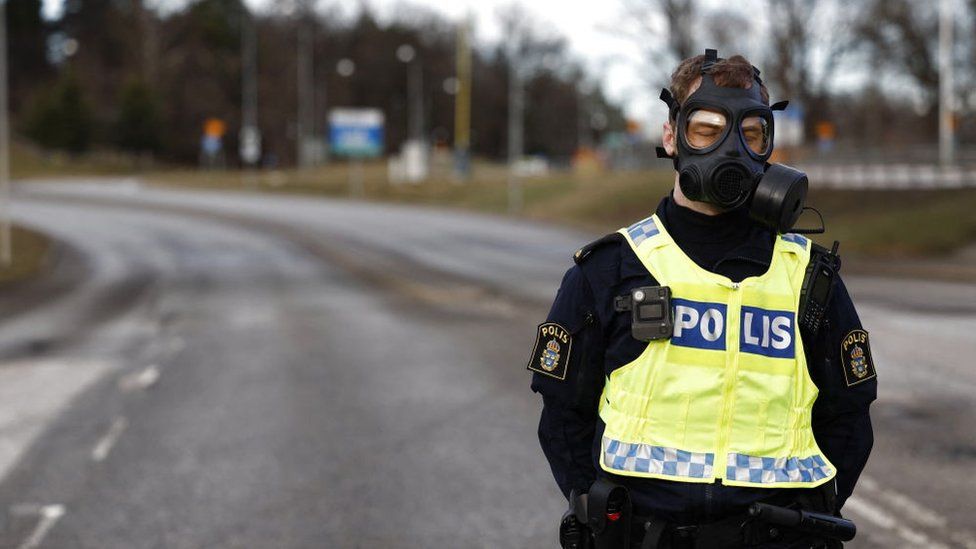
855	355
797	239
584	252
550	356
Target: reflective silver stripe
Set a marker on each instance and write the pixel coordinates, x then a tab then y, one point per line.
645	458
768	470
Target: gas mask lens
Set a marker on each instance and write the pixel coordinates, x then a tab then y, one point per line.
705	127
755	133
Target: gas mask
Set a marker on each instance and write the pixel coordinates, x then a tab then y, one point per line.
724	141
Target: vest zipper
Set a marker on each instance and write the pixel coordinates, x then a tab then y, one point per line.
732	348
709	497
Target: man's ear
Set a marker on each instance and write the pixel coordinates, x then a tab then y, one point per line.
669	144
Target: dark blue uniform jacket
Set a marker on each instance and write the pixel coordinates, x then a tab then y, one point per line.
570	428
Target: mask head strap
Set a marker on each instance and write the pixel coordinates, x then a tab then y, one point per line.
711	57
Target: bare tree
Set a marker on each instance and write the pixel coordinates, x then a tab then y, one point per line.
903	36
809	39
663	30
728	30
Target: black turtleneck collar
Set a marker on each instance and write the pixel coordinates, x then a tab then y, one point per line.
730	244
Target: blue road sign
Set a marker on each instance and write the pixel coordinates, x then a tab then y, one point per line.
356	133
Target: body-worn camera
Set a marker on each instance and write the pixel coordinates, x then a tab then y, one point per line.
651	314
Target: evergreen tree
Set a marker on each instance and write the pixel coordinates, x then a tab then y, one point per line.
26	45
61	118
137	128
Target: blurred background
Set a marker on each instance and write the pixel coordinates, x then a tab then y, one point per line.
270	270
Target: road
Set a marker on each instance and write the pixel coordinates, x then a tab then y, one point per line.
233	370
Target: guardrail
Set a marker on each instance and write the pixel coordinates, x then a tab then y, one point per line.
890	176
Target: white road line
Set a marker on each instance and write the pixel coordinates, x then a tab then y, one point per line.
912	509
138	381
105	444
963	539
884	520
917	512
49	516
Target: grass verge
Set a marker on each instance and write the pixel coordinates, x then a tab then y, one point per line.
27	161
30	250
880	224
877	224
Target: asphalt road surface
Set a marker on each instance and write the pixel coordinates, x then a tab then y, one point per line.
229	370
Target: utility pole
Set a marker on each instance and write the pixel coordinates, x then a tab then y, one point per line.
6	250
407	54
250	138
462	104
946	103
304	79
417	100
516	108
150	44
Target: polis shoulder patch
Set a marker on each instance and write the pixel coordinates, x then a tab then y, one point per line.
855	355
550	356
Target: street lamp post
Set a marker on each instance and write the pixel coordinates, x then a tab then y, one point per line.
250	137
304	80
6	252
414	151
516	111
415	124
946	103
462	104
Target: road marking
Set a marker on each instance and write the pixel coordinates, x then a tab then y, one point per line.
884	520
917	512
964	539
139	381
50	514
911	509
105	444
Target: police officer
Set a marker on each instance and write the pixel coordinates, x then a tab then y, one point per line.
693	358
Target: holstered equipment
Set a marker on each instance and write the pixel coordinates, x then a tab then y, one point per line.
573	530
814	524
597	520
764	523
609	515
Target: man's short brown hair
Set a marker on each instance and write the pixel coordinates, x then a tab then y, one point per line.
734	72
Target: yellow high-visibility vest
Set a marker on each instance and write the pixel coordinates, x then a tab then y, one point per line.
728	396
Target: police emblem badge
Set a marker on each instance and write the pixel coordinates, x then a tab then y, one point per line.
856	357
550	356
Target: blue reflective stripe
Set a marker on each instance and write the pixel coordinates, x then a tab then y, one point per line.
646	458
768	470
642	230
796	239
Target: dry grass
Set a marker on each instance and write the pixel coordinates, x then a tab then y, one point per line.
30	250
874	223
27	162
